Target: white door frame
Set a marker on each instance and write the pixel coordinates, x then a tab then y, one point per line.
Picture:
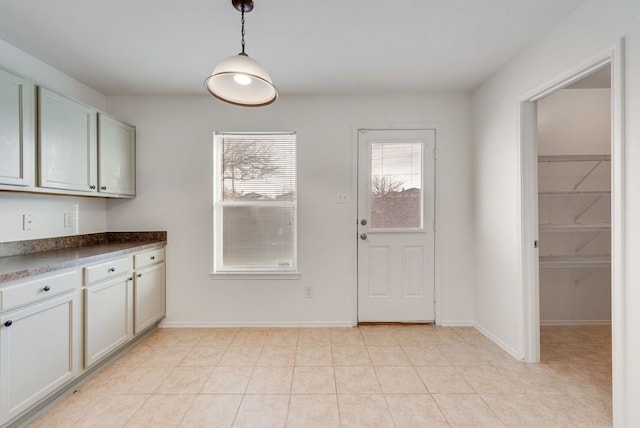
529	214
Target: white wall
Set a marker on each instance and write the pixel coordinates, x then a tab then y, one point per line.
47	216
496	112
174	137
47	212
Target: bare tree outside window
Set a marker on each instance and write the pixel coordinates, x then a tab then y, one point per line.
244	162
382	185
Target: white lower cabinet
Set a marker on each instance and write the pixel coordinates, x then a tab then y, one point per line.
149	290
108	317
42	320
37	352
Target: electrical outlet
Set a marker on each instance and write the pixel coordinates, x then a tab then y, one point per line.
308	292
69	219
26	222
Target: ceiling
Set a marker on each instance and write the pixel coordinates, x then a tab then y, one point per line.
153	47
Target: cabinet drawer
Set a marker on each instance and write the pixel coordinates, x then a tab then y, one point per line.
37	289
148	258
110	269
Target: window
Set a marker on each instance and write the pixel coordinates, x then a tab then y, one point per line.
396	186
254	202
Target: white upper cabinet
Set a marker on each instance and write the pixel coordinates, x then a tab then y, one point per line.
16	130
116	156
67	143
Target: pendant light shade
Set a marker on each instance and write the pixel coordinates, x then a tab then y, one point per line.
239	79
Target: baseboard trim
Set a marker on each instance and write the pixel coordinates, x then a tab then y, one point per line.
341	324
573	323
506	348
455	324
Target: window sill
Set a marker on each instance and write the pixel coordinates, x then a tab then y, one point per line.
255	275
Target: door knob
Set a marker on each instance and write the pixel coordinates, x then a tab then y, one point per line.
363	236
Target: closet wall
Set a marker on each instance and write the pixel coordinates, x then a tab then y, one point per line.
574	205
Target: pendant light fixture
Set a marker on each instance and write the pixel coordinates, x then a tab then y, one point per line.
239	79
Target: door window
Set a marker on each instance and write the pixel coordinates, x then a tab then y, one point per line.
396	186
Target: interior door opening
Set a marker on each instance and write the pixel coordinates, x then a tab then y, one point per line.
574	217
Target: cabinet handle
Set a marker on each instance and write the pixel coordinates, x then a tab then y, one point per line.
112	269
130	278
8	323
153	257
103	188
139	275
92	187
46	288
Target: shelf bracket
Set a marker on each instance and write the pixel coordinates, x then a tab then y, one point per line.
587	175
587	208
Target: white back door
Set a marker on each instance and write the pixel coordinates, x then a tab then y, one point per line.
396	184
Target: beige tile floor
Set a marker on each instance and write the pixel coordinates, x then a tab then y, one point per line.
370	376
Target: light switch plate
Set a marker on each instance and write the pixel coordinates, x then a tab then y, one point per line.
69	219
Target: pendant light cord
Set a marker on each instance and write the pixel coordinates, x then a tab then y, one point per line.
242	20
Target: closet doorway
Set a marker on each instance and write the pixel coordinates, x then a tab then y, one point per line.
613	373
574	233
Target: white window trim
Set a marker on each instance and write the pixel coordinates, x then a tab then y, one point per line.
258	272
256	275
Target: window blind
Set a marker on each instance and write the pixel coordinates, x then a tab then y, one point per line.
255	213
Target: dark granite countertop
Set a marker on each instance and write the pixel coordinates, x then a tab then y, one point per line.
85	249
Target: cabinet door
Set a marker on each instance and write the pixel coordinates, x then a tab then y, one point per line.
67	143
116	156
37	349
16	130
149	296
108	318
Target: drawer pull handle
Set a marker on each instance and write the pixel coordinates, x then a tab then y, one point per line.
112	269
153	257
8	323
139	275
46	288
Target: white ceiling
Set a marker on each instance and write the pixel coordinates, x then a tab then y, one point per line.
148	47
